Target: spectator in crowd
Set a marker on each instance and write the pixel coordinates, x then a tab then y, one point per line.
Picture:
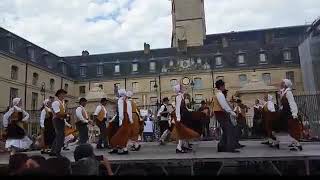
87	164
17	163
148	127
60	166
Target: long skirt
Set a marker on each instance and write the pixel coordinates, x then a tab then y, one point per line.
295	128
120	139
184	133
49	133
134	128
112	129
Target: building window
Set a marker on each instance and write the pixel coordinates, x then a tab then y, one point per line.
220	78
117	68
243	79
64	68
198	98
263	58
11	45
153	100
290	76
152	88
173	82
100	70
52	84
135	67
199	60
32	54
101	86
152	66
35	78
83	71
82	90
171	63
287	55
266	77
34	101
66	87
135	87
241	59
218	61
13	94
14	72
197	83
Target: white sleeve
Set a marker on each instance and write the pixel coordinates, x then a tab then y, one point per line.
271	107
178	105
223	102
66	123
42	117
129	110
160	110
292	104
6	117
25	115
79	115
120	109
97	111
56	107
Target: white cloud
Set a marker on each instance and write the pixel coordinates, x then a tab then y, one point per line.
103	26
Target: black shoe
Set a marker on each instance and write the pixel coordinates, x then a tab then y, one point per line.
123	153
113	151
291	145
180	151
300	148
187	148
293	149
240	146
136	148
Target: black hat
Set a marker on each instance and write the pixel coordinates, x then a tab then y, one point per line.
239	101
165	99
219	83
203	102
60	91
103	100
83	100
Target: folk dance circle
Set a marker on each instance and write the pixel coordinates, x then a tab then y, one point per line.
177	121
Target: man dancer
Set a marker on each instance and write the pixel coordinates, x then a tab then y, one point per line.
58	108
164	120
227	119
82	121
100	117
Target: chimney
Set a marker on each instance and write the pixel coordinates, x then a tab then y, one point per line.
85	53
146	49
225	42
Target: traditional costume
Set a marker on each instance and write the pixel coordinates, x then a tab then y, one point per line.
241	110
164	116
100	120
227	120
181	113
205	121
13	121
82	121
120	139
46	124
135	126
257	120
268	114
288	123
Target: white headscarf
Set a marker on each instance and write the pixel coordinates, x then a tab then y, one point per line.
270	97
270	104
16	101
287	82
129	94
122	92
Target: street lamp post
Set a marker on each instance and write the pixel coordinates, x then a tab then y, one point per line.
156	89
192	88
43	90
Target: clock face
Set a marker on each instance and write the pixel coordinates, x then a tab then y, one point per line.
186	81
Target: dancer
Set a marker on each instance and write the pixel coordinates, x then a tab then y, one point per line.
257	119
100	117
240	111
135	126
13	121
206	121
59	116
46	124
120	139
113	125
165	120
268	114
183	132
82	121
288	123
227	119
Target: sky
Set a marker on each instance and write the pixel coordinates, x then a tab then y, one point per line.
67	27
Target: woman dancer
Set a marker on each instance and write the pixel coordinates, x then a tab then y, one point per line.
48	133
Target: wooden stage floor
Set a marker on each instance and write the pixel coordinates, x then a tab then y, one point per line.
204	151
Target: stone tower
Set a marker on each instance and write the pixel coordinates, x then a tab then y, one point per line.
188	20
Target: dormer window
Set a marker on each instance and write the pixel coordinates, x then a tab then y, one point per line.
171	63
31	53
287	55
83	71
152	66
241	60
262	57
117	68
11	46
63	67
135	67
99	69
218	60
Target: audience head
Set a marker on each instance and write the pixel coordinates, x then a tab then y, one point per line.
220	84
17	162
39	159
60	166
83	151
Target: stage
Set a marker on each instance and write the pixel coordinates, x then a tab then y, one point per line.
205	151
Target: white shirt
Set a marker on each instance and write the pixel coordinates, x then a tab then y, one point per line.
270	106
98	109
79	115
43	116
7	115
292	103
161	110
148	127
121	110
223	102
179	99
56	106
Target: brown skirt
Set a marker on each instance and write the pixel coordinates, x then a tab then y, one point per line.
134	128
268	119
295	128
112	130
120	139
182	132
